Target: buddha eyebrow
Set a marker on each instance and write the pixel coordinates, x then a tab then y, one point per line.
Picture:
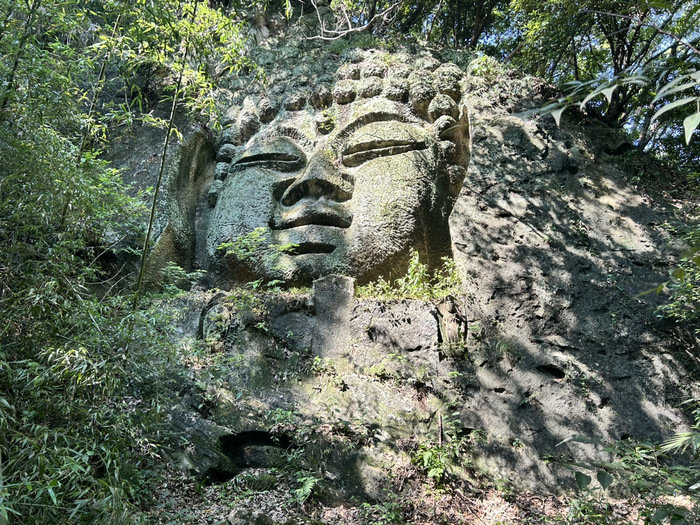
289	132
377	116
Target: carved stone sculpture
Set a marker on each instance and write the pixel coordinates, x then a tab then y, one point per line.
344	178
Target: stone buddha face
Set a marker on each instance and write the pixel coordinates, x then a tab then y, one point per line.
343	180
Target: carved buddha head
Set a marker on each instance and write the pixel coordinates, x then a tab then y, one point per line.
342	179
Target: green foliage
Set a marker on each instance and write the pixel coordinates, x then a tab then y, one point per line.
684	288
642	57
683	441
174	279
80	373
150	50
305	487
674	515
459	25
639	55
485	67
244	248
322	366
387	512
579	93
687	85
418	283
644	471
436	460
75	362
281	419
592	506
72	448
433	460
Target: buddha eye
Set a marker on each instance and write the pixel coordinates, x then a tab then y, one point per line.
372	150
273	161
277	154
382	139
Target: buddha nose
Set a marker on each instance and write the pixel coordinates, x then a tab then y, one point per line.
321	178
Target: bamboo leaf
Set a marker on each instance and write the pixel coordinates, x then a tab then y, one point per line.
591	96
557	114
662	92
52	494
608	92
672	105
689	124
676	89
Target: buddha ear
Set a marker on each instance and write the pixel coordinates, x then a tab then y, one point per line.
451	180
464	139
456	175
188	177
456	130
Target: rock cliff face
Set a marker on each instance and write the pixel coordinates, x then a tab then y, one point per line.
548	338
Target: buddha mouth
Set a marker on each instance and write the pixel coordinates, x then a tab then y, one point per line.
319	212
309	247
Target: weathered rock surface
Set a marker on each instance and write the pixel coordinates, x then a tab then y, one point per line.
363	391
550	337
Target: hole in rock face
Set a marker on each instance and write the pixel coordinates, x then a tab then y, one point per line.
552	370
372	333
251	449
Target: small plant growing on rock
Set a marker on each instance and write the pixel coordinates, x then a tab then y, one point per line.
306	484
322	366
174	279
433	460
244	248
485	67
592	506
418	283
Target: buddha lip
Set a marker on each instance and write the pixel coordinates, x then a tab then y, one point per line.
309	247
318	213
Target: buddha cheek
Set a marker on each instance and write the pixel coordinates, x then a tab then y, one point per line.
391	196
245	203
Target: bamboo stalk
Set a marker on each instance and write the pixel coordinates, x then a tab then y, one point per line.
166	142
18	56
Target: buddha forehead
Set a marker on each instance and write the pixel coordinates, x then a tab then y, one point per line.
427	91
334	126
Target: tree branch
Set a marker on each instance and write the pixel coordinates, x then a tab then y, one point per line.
648	24
331	34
